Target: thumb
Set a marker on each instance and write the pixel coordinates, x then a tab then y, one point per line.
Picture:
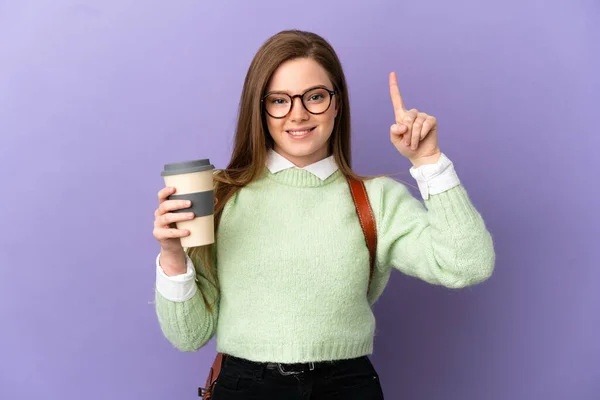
398	129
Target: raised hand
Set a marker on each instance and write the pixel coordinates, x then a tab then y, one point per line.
415	134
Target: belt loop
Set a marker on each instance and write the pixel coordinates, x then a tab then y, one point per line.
262	370
311	366
225	358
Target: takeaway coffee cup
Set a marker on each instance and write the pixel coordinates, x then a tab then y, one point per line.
193	180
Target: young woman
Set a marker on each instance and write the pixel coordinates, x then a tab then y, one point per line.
284	287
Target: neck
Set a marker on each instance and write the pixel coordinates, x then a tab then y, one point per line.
303	161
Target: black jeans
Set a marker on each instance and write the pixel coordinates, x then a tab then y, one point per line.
342	379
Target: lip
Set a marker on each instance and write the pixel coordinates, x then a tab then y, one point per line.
303	128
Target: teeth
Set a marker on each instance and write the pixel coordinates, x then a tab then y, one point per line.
299	133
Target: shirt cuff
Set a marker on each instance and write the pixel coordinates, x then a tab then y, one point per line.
435	178
177	288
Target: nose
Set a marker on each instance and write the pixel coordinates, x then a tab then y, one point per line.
298	112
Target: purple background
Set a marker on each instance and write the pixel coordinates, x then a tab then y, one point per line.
96	96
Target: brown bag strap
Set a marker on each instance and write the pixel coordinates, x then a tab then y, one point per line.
366	218
206	392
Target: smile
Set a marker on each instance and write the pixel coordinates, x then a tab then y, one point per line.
300	134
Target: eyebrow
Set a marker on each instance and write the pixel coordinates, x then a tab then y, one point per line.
304	91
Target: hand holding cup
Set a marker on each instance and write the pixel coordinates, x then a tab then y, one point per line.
165	230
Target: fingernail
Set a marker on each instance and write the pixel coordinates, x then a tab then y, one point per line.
188	203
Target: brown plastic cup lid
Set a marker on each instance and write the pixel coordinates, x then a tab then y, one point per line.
187	167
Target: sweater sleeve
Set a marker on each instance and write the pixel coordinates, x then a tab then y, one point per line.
188	324
443	241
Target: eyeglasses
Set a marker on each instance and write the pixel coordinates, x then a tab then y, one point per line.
316	101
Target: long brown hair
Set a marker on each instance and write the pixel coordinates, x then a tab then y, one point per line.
252	139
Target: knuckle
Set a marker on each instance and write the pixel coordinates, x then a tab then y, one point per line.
163	220
162	195
167	206
169	218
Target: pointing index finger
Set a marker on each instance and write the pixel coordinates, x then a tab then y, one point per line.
396	97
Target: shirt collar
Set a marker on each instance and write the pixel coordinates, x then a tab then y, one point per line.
322	169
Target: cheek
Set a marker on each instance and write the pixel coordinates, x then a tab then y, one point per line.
274	125
328	119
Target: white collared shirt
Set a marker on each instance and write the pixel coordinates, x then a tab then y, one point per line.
322	169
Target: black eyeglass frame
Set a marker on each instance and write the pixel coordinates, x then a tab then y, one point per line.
331	94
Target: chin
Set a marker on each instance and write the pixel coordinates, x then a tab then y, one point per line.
303	149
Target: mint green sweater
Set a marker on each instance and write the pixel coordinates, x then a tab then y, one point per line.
294	267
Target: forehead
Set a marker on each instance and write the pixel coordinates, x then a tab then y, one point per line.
297	75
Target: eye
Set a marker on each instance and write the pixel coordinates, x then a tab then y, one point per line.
278	100
316	96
